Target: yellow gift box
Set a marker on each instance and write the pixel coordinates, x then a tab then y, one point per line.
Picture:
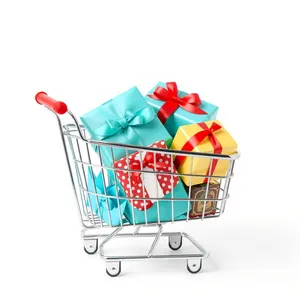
214	134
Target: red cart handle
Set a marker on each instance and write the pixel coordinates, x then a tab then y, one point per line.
57	106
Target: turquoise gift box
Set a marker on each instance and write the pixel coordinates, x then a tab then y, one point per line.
125	119
135	216
181	116
107	207
114	210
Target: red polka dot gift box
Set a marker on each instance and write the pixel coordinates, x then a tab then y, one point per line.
155	186
145	190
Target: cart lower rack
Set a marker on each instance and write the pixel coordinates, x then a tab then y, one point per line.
102	206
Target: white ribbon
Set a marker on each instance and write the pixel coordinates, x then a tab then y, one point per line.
151	183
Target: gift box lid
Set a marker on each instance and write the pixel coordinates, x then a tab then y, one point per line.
206	106
184	133
115	109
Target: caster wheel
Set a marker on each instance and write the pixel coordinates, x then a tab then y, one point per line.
194	265
113	269
90	246
175	242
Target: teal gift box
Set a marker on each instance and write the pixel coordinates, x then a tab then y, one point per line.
106	206
125	119
162	208
176	108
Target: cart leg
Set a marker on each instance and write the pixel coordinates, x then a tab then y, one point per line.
91	246
157	237
106	240
137	229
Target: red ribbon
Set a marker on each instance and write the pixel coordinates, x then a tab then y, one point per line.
148	161
189	102
195	140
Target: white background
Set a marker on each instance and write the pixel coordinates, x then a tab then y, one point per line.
240	55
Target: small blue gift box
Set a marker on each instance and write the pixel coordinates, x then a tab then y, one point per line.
125	119
175	108
107	207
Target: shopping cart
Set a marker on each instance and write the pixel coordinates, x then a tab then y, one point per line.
85	161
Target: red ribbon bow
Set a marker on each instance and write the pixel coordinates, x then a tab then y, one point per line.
189	102
195	140
148	161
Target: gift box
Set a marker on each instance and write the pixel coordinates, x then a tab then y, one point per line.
207	137
198	192
137	184
107	207
125	119
176	108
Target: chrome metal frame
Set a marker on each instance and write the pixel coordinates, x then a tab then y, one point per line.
79	148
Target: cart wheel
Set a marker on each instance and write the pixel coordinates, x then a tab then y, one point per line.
113	268
175	242
90	246
194	265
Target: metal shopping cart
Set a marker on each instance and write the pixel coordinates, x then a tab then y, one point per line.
85	161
